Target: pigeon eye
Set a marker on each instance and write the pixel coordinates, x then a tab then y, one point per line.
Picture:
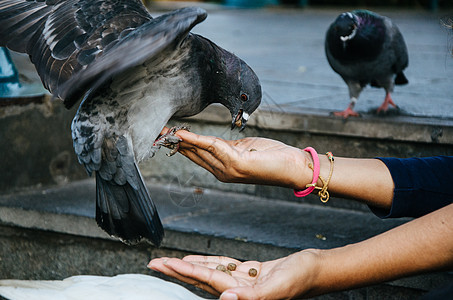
244	97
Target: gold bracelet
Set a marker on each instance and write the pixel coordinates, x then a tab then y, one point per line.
323	193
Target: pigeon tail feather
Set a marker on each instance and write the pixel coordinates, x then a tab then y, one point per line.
127	213
401	79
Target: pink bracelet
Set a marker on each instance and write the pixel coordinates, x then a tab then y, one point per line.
316	168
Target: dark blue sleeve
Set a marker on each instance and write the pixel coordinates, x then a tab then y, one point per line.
422	185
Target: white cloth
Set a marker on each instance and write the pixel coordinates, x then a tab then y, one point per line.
86	287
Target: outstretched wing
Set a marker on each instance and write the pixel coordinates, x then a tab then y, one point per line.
138	46
63	37
78	44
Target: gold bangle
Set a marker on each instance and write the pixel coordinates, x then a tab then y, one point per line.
323	193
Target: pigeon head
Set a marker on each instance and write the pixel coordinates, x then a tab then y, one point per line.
244	100
356	35
237	87
345	26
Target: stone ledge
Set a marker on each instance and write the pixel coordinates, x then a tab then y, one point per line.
200	212
209	222
318	121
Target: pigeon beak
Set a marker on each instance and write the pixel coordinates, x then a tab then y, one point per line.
350	36
240	120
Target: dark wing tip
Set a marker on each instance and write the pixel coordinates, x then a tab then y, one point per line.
127	213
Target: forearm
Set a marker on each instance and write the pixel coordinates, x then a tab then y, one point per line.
422	245
366	180
265	161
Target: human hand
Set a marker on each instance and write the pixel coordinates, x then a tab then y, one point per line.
250	160
283	278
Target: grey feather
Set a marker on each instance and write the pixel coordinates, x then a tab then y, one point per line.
96	156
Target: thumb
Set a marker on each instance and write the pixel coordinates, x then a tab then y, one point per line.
239	293
228	295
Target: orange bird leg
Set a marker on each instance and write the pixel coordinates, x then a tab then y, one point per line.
385	105
348	112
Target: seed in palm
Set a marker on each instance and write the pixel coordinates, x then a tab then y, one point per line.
231	266
253	272
221	268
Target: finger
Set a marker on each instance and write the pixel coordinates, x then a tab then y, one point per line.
242	293
258	291
204	145
197	259
160	265
216	279
164	130
207	162
241	269
210	259
207	288
194	139
212	160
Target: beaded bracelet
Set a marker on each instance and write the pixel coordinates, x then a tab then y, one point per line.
316	168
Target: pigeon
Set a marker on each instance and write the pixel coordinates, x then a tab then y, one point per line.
366	48
130	73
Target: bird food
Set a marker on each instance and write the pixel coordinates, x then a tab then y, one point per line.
224	269
231	266
253	272
221	268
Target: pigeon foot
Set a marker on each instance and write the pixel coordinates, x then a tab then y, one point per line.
348	112
385	105
170	140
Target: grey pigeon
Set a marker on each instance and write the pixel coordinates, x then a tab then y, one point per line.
132	73
366	48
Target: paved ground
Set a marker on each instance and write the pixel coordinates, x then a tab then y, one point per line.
286	49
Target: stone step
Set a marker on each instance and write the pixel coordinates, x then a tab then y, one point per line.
196	221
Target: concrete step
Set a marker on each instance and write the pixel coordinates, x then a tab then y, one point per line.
60	222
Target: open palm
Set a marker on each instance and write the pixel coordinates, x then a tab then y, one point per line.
276	279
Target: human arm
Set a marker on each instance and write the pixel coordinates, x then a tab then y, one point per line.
270	162
422	245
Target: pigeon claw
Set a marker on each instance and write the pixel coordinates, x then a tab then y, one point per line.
170	140
348	112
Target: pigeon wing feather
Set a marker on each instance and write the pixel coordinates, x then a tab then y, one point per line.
63	37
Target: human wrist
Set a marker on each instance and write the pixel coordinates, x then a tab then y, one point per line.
302	174
324	269
309	267
318	165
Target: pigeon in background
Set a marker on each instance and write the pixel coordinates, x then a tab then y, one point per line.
366	48
132	73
